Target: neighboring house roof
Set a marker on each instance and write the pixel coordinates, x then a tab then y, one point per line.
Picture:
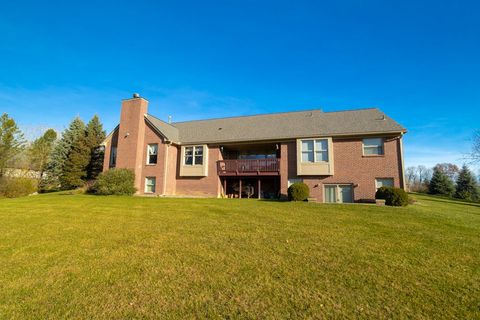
275	126
286	126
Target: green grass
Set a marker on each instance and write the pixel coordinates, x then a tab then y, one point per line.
87	257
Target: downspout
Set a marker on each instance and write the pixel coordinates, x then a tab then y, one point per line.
165	170
404	187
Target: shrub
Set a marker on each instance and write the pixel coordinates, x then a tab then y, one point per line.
115	182
298	191
393	196
17	187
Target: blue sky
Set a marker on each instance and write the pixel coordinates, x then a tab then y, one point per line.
419	61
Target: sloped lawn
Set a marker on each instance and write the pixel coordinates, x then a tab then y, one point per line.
88	257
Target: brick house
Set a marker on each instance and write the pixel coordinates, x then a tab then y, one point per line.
342	156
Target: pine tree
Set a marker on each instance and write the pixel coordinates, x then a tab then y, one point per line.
95	136
467	187
11	141
75	168
40	150
56	165
441	184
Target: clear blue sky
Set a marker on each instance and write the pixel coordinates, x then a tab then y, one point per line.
419	61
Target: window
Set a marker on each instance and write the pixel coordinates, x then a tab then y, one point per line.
384	182
113	156
330	194
315	150
339	193
373	146
150	184
152	153
193	156
292	181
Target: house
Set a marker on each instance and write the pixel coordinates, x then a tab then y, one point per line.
342	156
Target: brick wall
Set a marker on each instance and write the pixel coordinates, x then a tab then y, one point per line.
201	186
350	166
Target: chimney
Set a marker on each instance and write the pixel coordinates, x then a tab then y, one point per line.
131	136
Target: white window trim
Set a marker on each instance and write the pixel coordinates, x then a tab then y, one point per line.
154	185
148	153
370	146
314	150
193	155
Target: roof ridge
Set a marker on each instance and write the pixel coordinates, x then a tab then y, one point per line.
150	115
352	110
251	115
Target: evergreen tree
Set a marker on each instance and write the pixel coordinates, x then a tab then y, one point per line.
441	184
75	169
56	165
467	187
40	150
11	141
95	136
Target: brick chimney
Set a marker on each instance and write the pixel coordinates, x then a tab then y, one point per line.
131	136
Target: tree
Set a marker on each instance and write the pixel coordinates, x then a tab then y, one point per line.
94	137
440	183
75	167
11	141
56	165
411	177
467	187
40	150
475	155
449	169
418	178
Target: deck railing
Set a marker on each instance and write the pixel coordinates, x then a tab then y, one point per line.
269	166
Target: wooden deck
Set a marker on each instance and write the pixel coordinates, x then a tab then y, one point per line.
249	167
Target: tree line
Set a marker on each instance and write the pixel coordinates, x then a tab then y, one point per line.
445	179
61	163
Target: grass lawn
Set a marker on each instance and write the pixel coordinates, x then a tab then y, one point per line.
88	257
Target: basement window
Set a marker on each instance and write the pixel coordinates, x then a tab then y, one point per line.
193	156
150	184
383	182
373	147
152	153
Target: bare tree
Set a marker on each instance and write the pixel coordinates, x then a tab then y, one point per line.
475	156
411	177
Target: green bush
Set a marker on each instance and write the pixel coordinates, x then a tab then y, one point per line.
298	191
393	196
17	187
114	182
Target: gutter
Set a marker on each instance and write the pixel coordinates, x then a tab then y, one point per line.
165	169
404	185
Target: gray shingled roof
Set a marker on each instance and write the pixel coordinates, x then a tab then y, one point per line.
286	125
167	130
277	126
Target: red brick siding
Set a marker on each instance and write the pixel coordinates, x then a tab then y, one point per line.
201	186
350	167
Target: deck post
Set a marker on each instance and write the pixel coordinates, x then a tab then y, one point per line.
259	189
240	188
225	187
